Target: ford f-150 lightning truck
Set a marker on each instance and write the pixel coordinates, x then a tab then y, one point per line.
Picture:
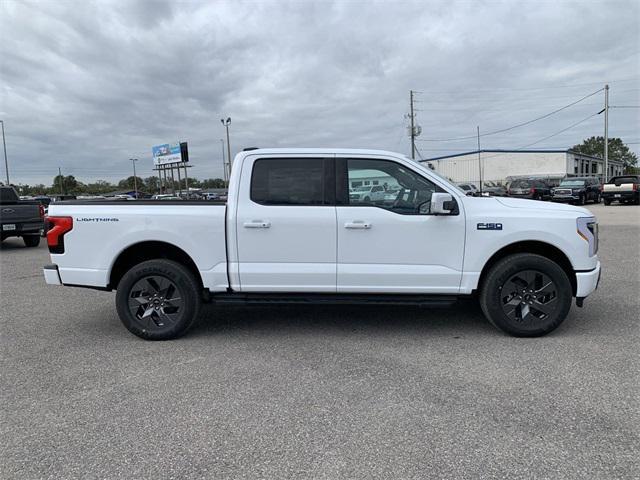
289	232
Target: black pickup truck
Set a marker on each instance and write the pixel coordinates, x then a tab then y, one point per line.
20	218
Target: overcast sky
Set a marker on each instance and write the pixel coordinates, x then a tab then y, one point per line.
85	86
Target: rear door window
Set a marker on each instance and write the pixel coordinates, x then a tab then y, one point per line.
290	181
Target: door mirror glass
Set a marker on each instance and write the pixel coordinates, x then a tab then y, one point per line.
442	204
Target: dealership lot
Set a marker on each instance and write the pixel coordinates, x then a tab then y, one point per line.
320	392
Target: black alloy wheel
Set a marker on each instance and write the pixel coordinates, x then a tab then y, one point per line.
158	299
155	302
526	295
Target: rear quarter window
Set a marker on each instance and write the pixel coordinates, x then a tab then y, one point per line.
288	181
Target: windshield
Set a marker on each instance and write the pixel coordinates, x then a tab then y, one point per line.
521	184
572	183
623	180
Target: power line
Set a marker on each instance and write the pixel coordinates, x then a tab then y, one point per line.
552	135
494	132
559	131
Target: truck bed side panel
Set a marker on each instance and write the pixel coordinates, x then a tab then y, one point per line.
102	232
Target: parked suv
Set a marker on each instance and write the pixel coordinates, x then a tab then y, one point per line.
530	188
469	189
578	190
372	193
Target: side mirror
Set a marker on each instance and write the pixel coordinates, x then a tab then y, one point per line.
442	203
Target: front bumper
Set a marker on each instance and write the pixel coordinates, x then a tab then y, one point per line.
587	282
51	274
565	198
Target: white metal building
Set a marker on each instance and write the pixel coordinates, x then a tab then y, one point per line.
500	166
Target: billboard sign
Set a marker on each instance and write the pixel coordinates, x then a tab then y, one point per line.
166	153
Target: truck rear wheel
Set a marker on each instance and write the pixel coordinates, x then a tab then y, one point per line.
31	240
158	300
526	295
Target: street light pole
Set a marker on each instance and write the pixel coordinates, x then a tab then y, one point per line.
135	180
226	124
4	145
606	133
224	163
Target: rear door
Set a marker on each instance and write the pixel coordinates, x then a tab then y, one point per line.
395	246
286	224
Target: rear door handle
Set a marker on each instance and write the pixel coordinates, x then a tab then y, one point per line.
358	225
257	224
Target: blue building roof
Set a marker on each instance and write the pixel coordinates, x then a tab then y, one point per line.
568	150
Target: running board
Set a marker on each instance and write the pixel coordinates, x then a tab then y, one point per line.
333	299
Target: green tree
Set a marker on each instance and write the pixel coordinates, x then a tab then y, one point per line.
128	183
68	184
152	184
213	183
617	150
98	187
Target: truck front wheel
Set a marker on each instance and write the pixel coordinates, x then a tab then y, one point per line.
526	295
158	300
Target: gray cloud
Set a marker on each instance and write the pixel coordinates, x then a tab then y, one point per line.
86	86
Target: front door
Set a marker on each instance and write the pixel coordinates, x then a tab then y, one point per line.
393	244
286	225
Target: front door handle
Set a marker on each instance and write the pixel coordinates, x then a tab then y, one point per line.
358	225
257	224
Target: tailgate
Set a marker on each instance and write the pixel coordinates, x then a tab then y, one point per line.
20	213
612	188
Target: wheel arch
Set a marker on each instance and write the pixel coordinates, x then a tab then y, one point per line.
537	247
150	250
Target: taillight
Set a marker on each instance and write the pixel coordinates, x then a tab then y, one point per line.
41	210
532	191
635	187
601	187
56	228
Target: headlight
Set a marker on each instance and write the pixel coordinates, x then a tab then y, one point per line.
587	228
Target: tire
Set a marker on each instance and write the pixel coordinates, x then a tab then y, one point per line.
537	311
367	199
637	200
581	200
607	201
598	199
31	240
144	300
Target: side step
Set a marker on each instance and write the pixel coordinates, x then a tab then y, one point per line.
333	299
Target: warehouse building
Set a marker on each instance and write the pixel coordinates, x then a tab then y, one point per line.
502	166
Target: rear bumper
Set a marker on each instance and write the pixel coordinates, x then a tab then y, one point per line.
12	229
620	195
51	274
587	282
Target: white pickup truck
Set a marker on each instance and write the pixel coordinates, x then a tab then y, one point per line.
288	233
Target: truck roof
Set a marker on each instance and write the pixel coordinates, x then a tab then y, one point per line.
320	151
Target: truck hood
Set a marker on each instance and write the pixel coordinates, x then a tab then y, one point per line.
539	205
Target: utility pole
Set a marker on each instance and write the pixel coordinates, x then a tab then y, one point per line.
135	180
413	131
60	180
606	133
4	145
479	159
226	124
224	164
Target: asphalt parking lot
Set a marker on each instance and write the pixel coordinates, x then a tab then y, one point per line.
320	392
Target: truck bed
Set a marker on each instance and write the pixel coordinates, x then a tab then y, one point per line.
105	229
